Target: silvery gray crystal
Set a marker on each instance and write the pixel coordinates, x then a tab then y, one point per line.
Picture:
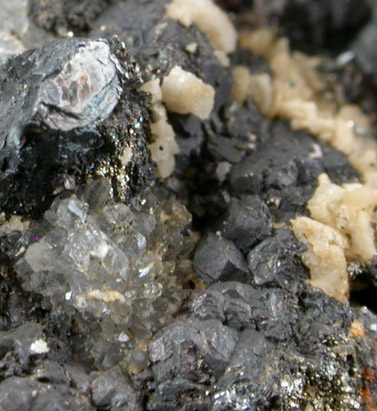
86	90
113	389
70	109
218	259
246	222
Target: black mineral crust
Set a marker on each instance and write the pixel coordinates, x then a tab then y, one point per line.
60	17
70	109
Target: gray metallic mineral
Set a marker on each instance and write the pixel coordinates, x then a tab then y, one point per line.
70	108
218	259
86	89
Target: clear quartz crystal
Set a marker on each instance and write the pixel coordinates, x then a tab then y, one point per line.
112	264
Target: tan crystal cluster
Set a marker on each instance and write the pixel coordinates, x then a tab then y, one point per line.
164	147
184	93
341	227
340	230
297	91
208	18
180	92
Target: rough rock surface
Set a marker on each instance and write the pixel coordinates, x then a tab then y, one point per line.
323	25
61	17
70	109
187	293
267	339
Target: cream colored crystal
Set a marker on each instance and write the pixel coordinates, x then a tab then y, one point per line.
325	256
11	223
110	296
209	18
184	93
340	229
164	147
222	58
126	156
39	347
191	47
256	86
153	87
350	209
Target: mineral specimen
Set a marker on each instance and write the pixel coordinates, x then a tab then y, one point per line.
110	300
146	23
184	93
164	146
246	222
115	264
276	261
70	109
217	259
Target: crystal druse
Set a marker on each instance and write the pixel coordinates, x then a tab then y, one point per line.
110	266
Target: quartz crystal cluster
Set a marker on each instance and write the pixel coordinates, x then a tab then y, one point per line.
115	265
